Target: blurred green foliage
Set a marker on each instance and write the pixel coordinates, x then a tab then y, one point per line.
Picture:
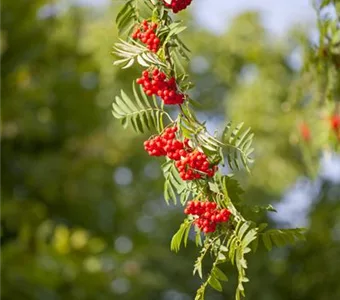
82	214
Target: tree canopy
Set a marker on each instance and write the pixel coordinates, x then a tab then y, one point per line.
82	210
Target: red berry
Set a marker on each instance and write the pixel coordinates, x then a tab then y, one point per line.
140	81
177	5
207	215
206	229
305	132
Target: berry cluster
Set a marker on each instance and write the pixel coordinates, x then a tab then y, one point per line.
156	83
193	165
165	144
334	122
208	214
147	35
178	5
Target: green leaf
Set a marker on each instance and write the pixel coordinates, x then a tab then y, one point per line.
198	239
213	187
248	238
237	145
200	292
126	17
214	283
140	113
129	53
174	184
255	245
232	188
143	9
238	246
219	274
173	30
282	237
183	231
262	226
267	242
198	263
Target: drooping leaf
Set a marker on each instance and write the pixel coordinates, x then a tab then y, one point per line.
238	245
126	17
214	283
180	235
174	185
237	146
282	237
233	188
132	52
219	274
139	112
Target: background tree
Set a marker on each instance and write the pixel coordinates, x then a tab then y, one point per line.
82	209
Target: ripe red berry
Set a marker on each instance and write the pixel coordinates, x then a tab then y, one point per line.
206	229
140	80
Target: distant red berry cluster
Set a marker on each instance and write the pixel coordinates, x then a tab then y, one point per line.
156	83
178	5
335	122
191	164
305	132
208	214
146	33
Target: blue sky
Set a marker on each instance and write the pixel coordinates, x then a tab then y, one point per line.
278	15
